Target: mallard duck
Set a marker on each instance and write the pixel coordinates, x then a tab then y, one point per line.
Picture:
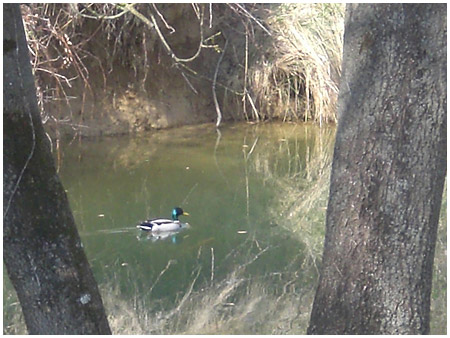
164	224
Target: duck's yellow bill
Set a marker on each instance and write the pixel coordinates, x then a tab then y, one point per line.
185	213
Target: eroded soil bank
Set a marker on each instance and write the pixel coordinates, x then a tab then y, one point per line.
105	69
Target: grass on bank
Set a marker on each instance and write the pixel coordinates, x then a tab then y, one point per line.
297	79
294	76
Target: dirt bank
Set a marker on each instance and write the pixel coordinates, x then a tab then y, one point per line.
114	69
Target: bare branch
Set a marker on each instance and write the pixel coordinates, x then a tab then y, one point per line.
169	27
154	24
216	103
254	19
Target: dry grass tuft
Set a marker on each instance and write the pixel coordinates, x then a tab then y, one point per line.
235	305
298	78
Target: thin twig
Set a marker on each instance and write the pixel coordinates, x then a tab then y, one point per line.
255	112
144	43
247	186
216	103
169	263
254	19
252	148
243	266
56	75
186	295
210	15
189	83
154	24
212	264
169	27
190	191
199	76
102	17
216	146
245	73
196	11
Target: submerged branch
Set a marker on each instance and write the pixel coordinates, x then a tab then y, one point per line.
186	295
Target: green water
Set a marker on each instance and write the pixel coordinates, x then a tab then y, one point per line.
248	263
229	182
228	188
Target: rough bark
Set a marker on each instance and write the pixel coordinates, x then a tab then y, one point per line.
41	247
388	173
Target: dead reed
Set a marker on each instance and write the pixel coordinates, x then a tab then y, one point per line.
297	78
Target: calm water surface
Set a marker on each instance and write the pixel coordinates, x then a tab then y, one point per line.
256	195
248	263
230	182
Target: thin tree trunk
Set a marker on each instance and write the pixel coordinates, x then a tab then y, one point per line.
388	173
41	248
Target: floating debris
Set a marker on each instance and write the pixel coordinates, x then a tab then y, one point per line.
85	298
242	231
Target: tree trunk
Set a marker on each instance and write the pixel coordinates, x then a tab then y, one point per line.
41	248
388	173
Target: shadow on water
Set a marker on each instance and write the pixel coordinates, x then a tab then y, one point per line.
247	264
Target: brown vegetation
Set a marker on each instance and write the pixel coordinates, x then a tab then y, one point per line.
105	68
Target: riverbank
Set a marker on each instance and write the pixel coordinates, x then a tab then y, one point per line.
106	69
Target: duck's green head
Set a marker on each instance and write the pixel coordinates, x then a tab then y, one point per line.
178	212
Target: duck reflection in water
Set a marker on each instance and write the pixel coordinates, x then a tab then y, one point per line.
173	236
